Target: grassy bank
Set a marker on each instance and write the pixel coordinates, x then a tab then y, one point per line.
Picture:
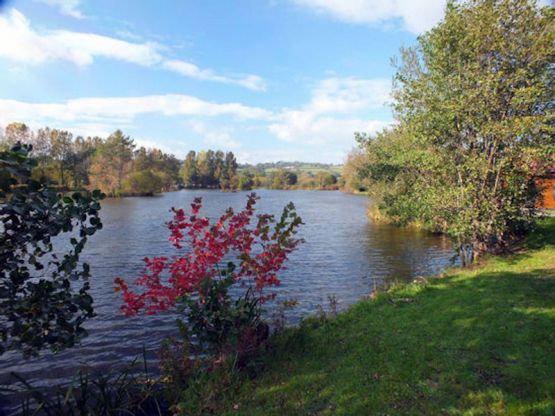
474	342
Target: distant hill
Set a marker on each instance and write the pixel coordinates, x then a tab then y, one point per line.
292	166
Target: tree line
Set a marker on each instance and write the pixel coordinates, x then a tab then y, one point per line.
117	167
473	104
113	165
216	169
210	169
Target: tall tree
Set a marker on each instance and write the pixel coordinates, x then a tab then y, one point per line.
219	168
171	167
17	132
111	162
61	150
42	150
142	159
474	103
230	169
83	151
206	164
189	171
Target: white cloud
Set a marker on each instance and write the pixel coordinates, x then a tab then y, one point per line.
323	130
119	111
417	15
84	129
82	48
253	82
127	34
28	46
150	143
345	95
67	7
331	115
213	136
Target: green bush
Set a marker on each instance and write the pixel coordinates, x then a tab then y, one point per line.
44	295
145	182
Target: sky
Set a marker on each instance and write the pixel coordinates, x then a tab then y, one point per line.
269	80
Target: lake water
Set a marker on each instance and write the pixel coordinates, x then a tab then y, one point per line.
344	255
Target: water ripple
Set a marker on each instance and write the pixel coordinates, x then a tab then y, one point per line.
344	256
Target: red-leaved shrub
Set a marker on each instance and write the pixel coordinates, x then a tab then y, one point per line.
240	249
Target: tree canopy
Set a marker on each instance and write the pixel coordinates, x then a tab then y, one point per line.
210	169
474	108
112	165
117	166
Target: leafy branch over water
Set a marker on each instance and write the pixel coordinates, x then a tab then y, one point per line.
44	294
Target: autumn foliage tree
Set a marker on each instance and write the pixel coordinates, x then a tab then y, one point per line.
239	250
111	163
352	173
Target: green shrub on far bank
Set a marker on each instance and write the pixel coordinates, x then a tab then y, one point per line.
144	183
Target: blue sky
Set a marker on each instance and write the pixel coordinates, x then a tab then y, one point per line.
267	79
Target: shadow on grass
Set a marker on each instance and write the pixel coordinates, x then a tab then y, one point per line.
484	346
544	234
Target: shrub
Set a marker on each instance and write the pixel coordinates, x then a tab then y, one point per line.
199	280
144	182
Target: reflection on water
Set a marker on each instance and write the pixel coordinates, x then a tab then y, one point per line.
344	255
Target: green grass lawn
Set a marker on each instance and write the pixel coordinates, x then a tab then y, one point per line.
473	342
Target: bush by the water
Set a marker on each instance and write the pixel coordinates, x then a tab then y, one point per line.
474	108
